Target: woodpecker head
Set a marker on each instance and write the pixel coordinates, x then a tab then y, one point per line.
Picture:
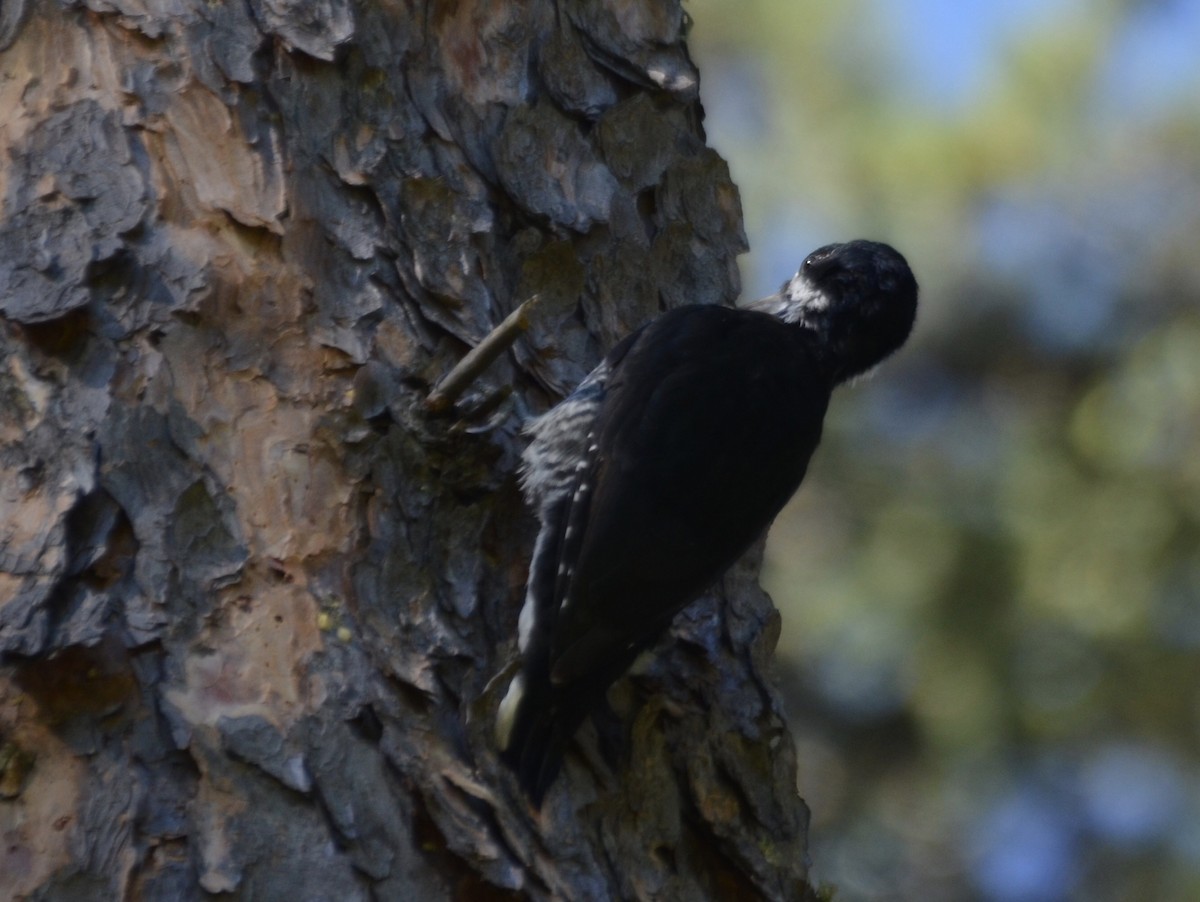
860	298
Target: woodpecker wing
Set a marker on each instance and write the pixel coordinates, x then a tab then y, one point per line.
705	431
551	468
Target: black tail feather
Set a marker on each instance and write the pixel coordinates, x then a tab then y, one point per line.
541	732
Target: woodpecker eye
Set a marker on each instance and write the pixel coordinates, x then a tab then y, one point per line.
817	262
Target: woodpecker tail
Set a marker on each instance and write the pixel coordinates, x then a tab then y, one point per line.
534	728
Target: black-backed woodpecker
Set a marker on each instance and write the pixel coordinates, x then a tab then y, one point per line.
665	465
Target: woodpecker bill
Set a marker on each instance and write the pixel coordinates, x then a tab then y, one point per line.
665	465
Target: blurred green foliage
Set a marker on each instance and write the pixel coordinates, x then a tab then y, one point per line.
990	580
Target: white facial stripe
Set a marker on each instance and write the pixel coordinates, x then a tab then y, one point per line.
799	301
803	300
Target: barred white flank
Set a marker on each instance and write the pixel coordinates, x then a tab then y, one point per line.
550	465
560	441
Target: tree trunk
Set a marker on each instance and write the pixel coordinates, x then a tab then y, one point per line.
252	593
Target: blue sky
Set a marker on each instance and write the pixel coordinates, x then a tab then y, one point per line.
947	47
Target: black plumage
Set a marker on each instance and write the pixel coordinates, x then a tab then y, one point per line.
666	464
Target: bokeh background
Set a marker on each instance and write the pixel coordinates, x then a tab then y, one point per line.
990	581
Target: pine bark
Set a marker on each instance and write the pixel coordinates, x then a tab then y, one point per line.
253	594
